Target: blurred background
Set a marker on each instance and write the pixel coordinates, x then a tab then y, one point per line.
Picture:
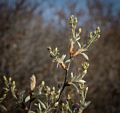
28	27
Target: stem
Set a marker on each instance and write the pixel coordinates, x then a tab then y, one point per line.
65	81
63	86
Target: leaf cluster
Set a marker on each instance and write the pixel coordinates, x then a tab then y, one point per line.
45	99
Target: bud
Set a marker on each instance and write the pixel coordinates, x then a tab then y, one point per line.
43	83
85	65
98	29
32	82
10	79
68	97
56	104
53	88
73	21
13	83
72	75
98	36
79	30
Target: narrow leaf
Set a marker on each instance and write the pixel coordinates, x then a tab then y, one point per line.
85	56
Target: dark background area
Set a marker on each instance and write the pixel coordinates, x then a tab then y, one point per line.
28	27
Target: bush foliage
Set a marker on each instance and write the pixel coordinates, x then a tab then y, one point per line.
45	99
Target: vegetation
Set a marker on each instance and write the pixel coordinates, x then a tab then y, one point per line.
45	99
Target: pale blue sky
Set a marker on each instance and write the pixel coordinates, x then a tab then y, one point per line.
51	6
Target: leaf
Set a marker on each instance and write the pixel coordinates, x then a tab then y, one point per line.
27	98
31	112
77	38
87	104
75	87
13	89
84	73
72	75
21	96
67	61
82	81
6	81
85	56
86	90
63	57
79	44
42	104
39	106
3	108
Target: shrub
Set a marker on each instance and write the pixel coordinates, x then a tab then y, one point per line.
44	99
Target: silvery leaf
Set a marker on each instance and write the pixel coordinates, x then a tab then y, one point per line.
67	61
27	99
85	56
63	57
79	44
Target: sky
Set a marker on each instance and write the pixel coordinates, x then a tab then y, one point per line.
49	13
62	4
51	6
58	4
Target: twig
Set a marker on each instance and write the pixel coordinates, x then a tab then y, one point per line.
65	81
